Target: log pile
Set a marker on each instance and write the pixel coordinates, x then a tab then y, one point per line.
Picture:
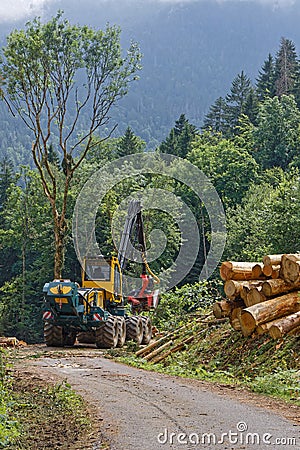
262	297
6	342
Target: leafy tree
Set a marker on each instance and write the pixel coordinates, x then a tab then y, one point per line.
52	73
26	242
268	219
230	169
277	138
287	69
265	82
130	144
180	138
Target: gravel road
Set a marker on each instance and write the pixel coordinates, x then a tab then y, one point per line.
140	410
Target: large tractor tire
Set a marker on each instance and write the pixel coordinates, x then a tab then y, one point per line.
53	335
69	338
122	331
147	330
107	335
87	337
134	329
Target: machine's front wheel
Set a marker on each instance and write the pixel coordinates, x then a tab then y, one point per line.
147	330
122	331
107	334
53	335
134	329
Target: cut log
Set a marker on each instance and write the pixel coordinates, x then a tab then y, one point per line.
234	318
177	348
271	271
276	272
295	332
257	271
232	270
272	260
247	286
254	296
157	351
233	289
290	267
271	288
285	325
224	307
9	342
267	270
264	327
269	310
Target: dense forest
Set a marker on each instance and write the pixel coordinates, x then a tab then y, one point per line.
248	147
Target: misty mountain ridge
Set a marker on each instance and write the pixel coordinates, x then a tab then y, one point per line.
192	51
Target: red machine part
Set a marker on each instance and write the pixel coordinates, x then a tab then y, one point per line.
146	298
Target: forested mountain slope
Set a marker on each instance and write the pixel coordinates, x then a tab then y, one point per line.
192	51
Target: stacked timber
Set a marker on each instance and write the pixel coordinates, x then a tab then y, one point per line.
262	297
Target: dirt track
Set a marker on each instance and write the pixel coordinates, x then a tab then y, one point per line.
139	410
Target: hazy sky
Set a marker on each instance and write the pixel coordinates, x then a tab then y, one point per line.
11	11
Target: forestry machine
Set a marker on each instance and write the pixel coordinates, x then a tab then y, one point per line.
97	312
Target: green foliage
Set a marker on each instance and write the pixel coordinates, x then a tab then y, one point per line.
237	99
180	138
267	220
229	168
276	137
175	306
129	144
265	83
52	73
287	69
281	383
9	428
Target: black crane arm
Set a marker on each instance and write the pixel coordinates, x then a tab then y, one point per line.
134	220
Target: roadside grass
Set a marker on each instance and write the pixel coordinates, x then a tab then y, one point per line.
49	416
36	415
9	427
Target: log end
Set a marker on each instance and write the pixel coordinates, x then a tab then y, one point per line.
248	323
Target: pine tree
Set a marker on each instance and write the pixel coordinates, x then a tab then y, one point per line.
216	118
180	124
130	144
251	106
265	83
53	157
236	100
287	69
180	138
6	179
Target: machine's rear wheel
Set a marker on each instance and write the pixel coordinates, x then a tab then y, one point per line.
53	335
134	329
86	337
147	330
107	335
122	331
